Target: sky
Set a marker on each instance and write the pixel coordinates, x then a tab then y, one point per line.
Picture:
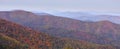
103	6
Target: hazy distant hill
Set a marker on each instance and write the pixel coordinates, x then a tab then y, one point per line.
87	16
102	32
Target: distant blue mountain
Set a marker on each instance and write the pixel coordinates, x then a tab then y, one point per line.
86	16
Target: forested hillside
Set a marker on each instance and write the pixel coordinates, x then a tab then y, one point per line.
102	32
14	35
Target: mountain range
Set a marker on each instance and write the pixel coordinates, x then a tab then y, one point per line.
15	36
100	32
87	16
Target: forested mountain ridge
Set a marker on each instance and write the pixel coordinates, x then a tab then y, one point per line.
102	32
14	35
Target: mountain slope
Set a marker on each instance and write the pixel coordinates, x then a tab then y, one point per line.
25	35
10	43
103	32
15	33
